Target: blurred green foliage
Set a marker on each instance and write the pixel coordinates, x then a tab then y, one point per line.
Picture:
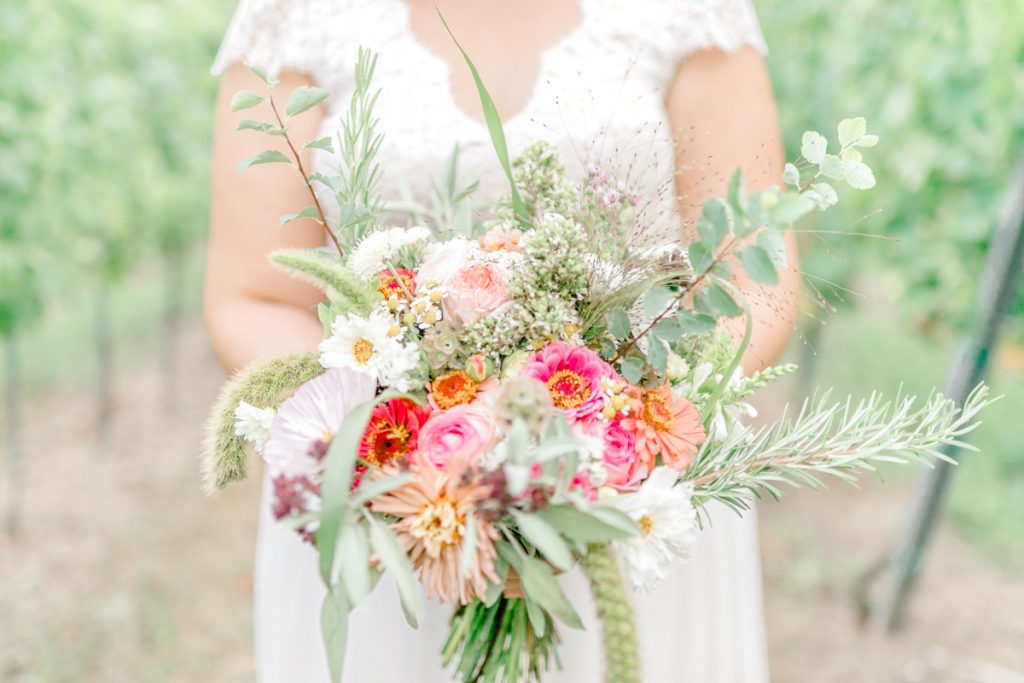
942	83
104	134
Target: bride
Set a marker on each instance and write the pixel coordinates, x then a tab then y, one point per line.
672	94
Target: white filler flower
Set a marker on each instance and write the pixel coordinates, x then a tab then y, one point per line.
375	251
366	345
253	424
663	510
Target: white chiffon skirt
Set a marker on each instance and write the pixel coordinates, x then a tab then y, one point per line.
705	625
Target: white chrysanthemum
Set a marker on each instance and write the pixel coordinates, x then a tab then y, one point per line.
366	345
663	509
253	424
374	252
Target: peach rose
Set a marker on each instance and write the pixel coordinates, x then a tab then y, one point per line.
476	290
462	433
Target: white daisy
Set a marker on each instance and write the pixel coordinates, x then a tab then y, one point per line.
366	345
663	509
374	252
253	424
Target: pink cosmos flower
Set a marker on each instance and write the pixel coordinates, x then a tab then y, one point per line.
464	433
573	376
624	465
476	290
309	418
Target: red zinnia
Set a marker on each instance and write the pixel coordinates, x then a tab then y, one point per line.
404	285
393	431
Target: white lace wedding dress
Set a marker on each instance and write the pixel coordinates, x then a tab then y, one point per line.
599	98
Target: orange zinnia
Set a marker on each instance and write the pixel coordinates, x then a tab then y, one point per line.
664	425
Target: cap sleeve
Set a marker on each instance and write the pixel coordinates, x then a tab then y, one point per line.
680	28
275	35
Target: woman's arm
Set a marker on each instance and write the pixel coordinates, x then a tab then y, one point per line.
722	112
252	310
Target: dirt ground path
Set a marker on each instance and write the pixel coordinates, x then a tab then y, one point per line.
125	573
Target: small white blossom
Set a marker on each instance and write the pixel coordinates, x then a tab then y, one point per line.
664	511
253	424
677	368
366	345
374	252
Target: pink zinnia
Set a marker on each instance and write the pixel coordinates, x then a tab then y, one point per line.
664	425
573	376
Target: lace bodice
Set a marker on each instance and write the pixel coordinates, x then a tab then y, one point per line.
599	94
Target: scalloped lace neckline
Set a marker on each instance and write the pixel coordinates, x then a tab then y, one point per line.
443	68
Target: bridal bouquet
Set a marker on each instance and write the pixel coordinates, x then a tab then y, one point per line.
535	392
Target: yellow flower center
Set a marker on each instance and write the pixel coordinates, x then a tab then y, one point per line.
362	351
646	523
568	389
656	414
438	525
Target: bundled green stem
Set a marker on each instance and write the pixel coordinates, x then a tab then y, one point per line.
260	385
615	611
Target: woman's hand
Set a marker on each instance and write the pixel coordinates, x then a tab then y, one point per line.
252	310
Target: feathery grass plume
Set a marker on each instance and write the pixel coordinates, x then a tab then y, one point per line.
340	284
615	611
261	385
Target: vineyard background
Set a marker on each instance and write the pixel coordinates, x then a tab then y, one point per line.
121	571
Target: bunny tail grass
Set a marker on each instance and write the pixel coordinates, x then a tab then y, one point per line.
340	284
261	385
615	612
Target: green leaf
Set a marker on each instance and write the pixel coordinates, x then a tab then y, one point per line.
791	176
632	368
700	256
395	561
717	214
539	584
851	130
544	538
536	616
657	354
614	517
758	265
813	146
668	329
791	208
715	300
832	167
823	195
353	560
709	233
308	212
618	324
692	322
584	526
334	629
867	141
260	72
378	486
269	156
656	299
244	99
467	559
305	98
495	128
775	246
858	175
321	143
251	124
737	199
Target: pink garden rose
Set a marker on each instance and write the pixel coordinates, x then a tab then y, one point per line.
573	376
444	258
624	465
475	291
463	433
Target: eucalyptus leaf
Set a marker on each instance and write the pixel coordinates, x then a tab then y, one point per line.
700	256
585	526
632	368
668	329
305	98
618	324
334	629
353	558
545	538
758	265
536	616
716	212
539	584
692	322
715	300
378	486
657	354
656	299
710	233
394	559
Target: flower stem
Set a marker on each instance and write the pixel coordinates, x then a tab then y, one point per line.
615	612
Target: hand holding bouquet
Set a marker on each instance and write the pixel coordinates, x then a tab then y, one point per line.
534	392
